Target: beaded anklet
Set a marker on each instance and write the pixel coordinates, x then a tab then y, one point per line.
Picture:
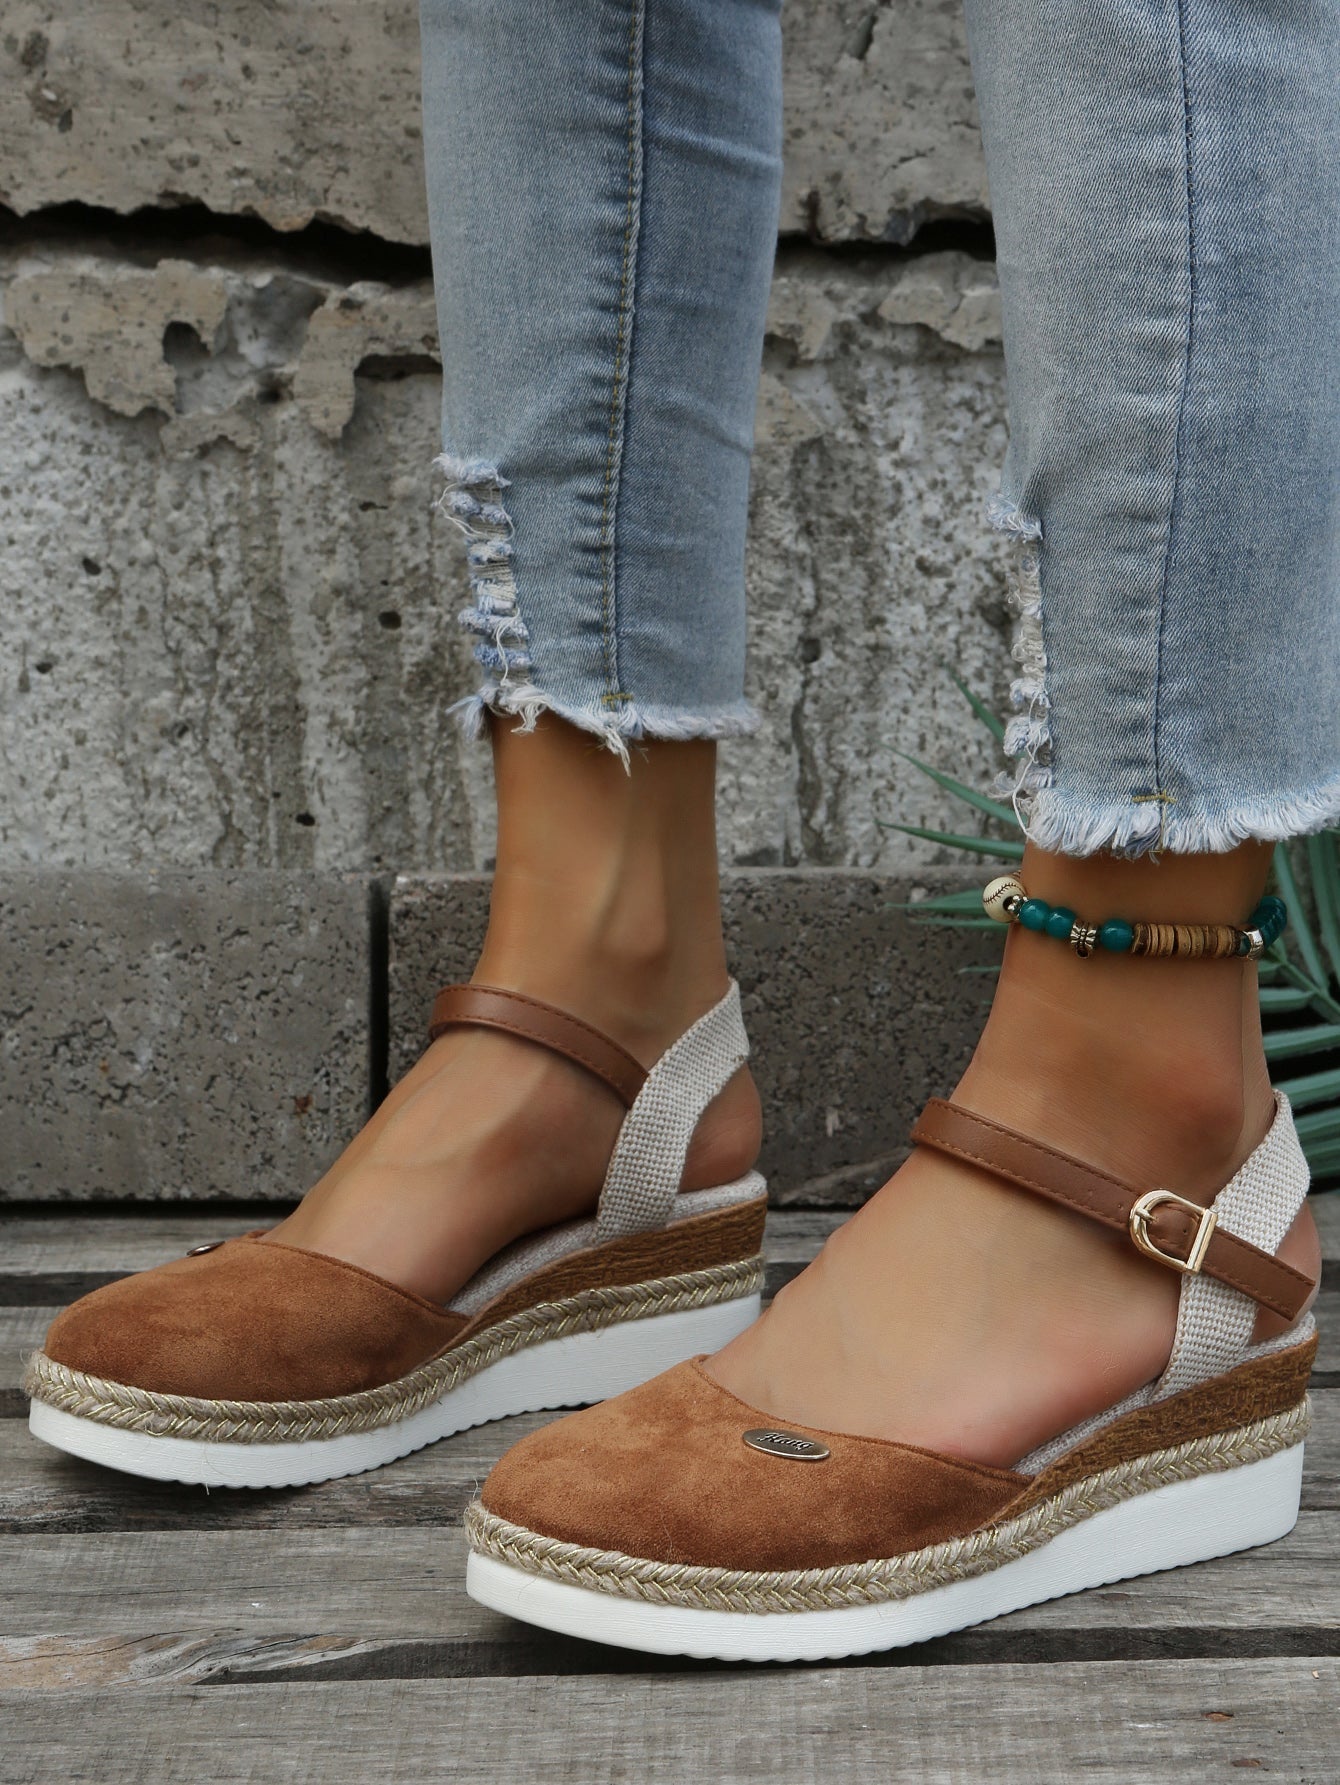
1006	900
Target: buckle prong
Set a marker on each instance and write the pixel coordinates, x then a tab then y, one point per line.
1138	1222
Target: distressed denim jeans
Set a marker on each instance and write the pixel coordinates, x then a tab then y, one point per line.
1165	179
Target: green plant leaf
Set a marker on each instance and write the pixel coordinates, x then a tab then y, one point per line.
969	900
1007	851
1323	862
1311	1088
968	795
1283	998
1287	1044
1307	945
993	724
1324	1158
1322	1124
1318	997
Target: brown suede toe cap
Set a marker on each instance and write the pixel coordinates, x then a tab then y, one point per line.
251	1321
663	1473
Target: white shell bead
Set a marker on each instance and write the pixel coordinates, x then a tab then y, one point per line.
1005	891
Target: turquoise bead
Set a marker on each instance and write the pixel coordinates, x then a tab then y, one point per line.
1270	917
1116	934
1060	923
1033	914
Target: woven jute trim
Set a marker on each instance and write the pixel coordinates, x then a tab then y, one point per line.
271	1422
897	1577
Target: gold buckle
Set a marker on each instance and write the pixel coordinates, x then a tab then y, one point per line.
1139	1230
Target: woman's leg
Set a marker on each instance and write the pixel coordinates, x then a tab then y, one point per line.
603	181
1164	182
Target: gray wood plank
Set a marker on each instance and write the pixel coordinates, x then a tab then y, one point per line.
130	1239
43	1490
793	1236
112	1243
1121	1723
134	1609
21	1331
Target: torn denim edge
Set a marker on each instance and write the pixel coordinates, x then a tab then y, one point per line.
631	722
1068	824
1064	824
1028	732
472	502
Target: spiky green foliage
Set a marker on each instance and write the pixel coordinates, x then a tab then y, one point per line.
1300	976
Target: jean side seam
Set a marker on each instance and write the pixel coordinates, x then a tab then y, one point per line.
1159	793
614	695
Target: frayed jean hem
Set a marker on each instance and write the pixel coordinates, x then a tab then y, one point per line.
473	501
1064	824
629	722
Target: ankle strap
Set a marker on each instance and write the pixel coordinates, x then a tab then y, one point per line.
1167	1228
491	1007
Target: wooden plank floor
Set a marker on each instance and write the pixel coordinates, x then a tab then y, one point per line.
156	1634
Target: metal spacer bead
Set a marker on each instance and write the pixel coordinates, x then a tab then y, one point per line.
1083	939
1256	944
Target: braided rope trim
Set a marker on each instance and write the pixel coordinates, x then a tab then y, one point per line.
270	1422
893	1578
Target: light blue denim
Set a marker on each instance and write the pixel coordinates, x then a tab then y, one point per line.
1165	179
1165	183
603	180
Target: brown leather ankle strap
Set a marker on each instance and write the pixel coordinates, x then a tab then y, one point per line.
1165	1227
490	1007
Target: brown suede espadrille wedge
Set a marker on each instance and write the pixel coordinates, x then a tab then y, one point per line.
250	1363
678	1519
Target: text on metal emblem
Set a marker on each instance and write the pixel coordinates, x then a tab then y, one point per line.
786	1444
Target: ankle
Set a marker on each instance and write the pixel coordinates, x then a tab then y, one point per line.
605	898
1167	1093
644	999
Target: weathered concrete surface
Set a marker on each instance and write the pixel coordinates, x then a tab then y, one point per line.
856	1013
228	610
179	1036
870	564
286	111
291	112
112	322
881	127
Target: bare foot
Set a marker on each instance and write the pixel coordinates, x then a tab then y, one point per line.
961	1314
486	1139
605	903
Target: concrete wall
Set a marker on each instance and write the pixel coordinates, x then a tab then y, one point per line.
292	112
227	631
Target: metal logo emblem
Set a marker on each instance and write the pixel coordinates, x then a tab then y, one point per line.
786	1444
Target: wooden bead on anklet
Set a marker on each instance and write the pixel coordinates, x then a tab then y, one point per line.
1206	941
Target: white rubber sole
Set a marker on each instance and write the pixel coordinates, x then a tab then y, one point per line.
566	1372
1189	1521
